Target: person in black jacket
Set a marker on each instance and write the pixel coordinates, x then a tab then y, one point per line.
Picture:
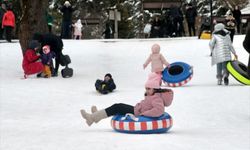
246	45
105	86
191	14
108	31
67	11
56	45
237	15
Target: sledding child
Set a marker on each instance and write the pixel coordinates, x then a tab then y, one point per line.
152	106
31	64
47	60
105	86
221	48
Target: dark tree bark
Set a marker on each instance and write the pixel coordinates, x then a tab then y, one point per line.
33	20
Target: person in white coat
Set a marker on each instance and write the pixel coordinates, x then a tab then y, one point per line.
221	48
78	29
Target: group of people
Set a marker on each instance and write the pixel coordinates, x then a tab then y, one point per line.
38	58
155	99
154	102
171	23
7	21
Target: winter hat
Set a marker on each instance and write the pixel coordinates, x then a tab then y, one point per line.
109	75
153	81
219	26
155	48
46	49
66	3
33	44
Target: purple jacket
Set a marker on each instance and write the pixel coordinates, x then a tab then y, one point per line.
153	106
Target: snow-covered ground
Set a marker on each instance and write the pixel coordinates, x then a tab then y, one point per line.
43	114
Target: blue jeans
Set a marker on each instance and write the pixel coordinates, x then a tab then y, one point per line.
222	71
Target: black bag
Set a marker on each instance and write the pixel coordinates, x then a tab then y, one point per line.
65	60
67	72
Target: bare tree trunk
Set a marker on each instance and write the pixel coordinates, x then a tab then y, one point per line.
33	20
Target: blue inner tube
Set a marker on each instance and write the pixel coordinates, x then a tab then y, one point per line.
178	72
145	125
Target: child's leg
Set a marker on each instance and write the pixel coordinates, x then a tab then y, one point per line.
46	72
219	73
115	109
225	73
224	69
120	109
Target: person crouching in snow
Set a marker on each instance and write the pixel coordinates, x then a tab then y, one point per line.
31	64
221	48
152	106
157	61
47	60
105	86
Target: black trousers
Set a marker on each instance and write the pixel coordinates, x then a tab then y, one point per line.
191	27
119	109
8	33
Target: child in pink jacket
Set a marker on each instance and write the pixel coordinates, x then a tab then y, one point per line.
156	59
152	106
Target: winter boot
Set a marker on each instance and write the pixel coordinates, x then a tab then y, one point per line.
95	117
94	109
219	81
87	117
226	81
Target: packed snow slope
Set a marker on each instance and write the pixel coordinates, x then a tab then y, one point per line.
43	114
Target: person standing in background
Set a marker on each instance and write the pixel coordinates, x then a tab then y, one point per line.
246	45
191	14
8	23
237	15
49	19
2	11
230	25
78	29
67	11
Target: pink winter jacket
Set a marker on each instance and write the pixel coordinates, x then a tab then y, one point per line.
157	61
153	106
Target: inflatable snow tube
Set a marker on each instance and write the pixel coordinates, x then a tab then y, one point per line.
206	35
141	124
239	71
178	74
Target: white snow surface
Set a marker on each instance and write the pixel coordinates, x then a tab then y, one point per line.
43	114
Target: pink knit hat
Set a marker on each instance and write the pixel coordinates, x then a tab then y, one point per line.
153	81
155	49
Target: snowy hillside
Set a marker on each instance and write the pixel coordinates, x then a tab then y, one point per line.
43	114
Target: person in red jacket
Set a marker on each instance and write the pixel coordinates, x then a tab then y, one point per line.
30	64
8	23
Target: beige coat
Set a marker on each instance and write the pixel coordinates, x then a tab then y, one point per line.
157	61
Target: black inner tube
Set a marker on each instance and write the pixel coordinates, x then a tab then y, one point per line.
175	70
243	67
